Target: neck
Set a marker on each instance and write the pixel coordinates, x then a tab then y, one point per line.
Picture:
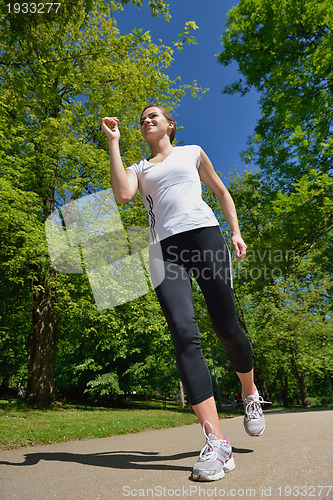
162	146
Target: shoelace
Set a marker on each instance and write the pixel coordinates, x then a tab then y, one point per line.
253	408
207	452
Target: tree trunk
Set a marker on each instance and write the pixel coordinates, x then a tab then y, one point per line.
40	348
261	383
181	394
300	378
284	390
41	340
331	378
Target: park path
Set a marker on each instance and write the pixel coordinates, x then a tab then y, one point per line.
292	459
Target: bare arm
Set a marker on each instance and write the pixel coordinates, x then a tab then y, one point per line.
124	182
210	178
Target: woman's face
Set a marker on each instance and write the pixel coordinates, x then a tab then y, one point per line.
154	124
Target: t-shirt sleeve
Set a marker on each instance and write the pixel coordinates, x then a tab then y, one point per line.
197	157
135	168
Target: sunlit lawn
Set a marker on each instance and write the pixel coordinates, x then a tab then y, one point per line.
22	426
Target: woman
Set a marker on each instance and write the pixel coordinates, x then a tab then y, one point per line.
188	234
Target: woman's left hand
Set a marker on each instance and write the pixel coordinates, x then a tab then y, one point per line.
239	246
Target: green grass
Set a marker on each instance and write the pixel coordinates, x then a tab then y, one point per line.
22	426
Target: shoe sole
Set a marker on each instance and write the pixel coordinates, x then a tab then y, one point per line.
254	435
228	467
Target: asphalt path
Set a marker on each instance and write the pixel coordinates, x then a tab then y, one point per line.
292	459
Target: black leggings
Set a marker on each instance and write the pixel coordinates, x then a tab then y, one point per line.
204	253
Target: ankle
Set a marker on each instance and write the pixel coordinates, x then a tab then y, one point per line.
251	391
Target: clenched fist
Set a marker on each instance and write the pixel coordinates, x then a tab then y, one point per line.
109	126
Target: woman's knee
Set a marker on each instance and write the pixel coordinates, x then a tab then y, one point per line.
185	335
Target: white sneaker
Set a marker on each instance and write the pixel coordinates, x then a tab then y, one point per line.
254	420
215	458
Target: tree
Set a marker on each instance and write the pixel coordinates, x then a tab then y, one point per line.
283	289
121	350
59	75
284	51
17	230
279	232
293	335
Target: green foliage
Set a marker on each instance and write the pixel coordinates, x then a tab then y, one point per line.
282	227
130	340
292	327
184	36
285	290
106	384
59	76
284	50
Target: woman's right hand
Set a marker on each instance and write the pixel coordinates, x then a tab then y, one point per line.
110	128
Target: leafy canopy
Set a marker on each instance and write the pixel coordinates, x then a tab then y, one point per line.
284	50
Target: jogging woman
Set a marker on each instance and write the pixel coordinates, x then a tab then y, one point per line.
188	233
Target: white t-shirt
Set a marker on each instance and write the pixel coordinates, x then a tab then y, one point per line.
171	193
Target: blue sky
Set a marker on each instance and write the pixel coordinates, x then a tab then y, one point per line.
219	123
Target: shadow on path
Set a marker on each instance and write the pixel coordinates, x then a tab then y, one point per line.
115	459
